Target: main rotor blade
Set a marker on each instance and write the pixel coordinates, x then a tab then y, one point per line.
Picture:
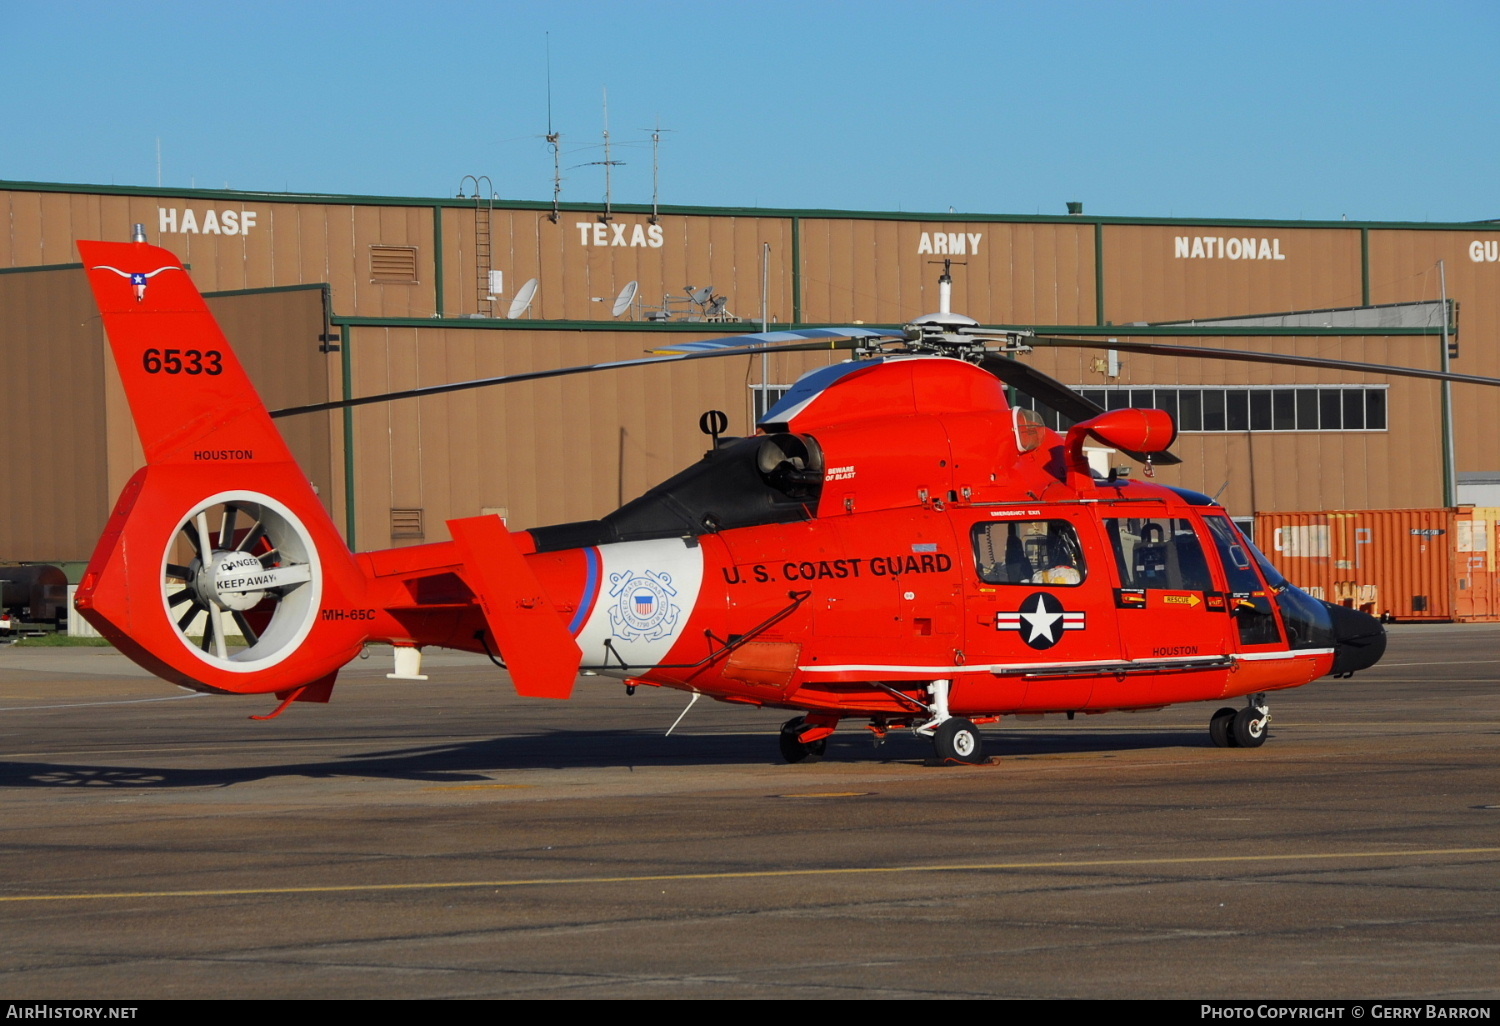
769	338
1246	356
1025	378
1053	393
840	338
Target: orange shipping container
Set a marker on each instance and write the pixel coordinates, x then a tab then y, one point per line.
1403	564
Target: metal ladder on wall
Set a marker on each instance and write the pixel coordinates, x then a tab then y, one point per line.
484	211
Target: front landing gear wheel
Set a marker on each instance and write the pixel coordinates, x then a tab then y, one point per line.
792	748
957	741
1249	727
1220	728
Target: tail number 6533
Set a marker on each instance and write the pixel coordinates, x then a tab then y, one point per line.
183	361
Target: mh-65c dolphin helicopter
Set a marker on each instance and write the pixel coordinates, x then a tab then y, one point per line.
896	544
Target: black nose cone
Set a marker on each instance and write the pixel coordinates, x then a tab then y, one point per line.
1359	640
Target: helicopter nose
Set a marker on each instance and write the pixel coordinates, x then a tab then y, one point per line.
1359	640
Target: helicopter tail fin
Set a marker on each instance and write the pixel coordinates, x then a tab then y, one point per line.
219	565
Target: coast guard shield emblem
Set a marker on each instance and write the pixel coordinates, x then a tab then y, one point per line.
643	609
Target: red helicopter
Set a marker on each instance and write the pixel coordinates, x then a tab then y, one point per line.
896	544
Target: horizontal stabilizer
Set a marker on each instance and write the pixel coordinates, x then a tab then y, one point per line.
540	654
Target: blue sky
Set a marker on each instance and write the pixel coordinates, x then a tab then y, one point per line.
1373	110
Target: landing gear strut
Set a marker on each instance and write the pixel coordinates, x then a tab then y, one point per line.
793	748
954	739
1241	728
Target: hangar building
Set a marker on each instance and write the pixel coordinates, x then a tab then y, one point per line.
335	296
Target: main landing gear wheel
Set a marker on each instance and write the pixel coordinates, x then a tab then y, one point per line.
1219	728
792	748
1249	727
253	573
957	740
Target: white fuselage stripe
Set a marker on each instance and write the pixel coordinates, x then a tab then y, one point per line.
1009	667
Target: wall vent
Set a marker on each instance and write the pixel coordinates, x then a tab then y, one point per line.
393	265
407	523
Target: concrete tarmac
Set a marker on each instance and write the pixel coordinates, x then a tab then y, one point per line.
449	840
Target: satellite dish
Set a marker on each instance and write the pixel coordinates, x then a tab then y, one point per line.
523	299
625	298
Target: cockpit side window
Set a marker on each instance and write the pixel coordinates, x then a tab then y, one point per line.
1238	561
1029	552
1251	605
1161	553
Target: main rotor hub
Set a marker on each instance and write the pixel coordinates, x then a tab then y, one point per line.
947	321
961	336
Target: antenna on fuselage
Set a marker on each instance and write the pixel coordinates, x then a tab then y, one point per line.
691	702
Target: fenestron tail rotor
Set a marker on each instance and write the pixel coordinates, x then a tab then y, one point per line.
252	580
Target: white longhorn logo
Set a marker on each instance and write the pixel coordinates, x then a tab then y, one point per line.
137	278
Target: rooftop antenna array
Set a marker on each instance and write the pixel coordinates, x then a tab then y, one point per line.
554	139
656	171
607	164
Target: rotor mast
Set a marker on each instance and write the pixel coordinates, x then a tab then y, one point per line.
955	334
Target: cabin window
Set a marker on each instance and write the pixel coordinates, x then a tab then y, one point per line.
765	398
1161	553
1238	557
1221	408
1029	552
1249	602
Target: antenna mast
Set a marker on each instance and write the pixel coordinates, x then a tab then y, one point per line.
655	171
608	164
554	139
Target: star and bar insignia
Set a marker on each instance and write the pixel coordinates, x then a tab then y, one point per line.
1041	620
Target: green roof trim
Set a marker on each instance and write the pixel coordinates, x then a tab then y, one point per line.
307	287
41	267
646	209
